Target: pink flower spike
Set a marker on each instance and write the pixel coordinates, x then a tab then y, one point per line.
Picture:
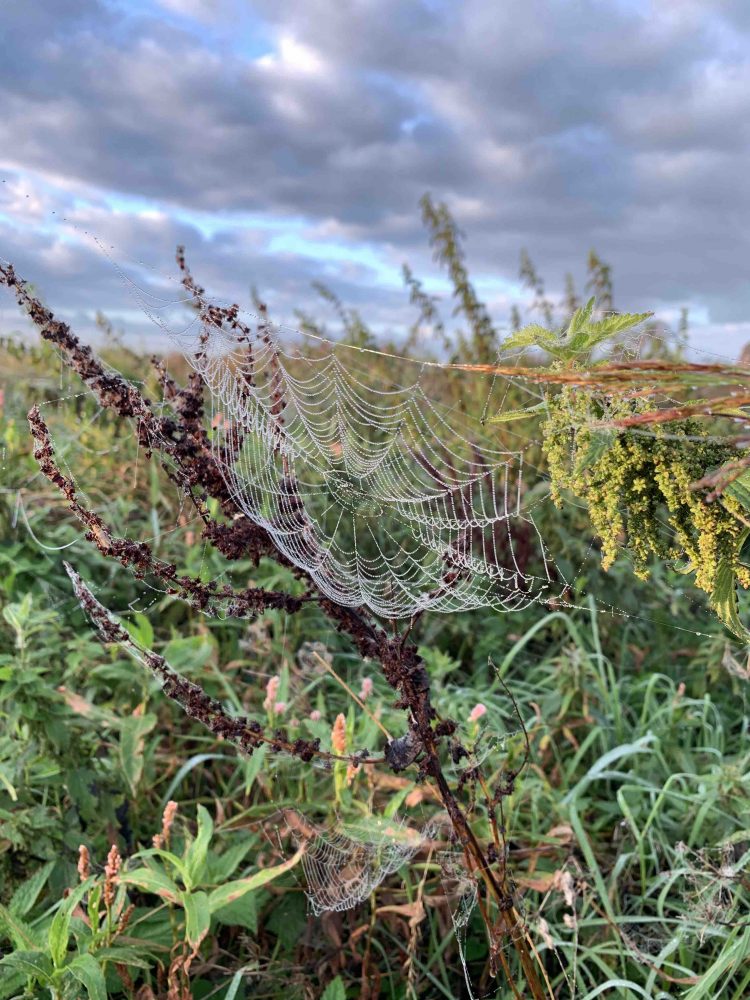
366	689
477	712
279	708
272	689
315	715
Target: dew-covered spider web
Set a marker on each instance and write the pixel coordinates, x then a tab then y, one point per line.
385	496
345	864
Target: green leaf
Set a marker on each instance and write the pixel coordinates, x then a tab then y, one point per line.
59	930
133	731
576	333
506	416
88	972
240	913
123	954
335	990
12	985
197	917
235	890
140	629
724	596
153	881
610	326
195	856
27	892
234	986
598	443
20	933
8	784
173	859
739	490
532	335
31	963
221	867
287	920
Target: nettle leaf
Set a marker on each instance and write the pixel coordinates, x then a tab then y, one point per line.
577	334
236	890
153	881
610	326
88	972
195	856
532	335
506	416
22	936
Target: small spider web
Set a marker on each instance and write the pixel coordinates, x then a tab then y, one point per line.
461	891
345	864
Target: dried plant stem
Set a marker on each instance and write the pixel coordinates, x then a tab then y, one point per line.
183	446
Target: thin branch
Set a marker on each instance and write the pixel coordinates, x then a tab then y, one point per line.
246	734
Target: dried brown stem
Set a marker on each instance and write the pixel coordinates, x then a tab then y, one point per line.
185	451
246	734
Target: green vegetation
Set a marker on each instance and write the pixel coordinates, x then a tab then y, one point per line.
628	832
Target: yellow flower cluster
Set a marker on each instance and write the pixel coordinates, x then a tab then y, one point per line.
637	485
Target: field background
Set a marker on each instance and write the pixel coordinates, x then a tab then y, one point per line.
627	830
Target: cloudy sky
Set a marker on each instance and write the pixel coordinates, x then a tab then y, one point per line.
289	141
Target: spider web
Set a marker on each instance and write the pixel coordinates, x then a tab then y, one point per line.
462	892
383	496
344	865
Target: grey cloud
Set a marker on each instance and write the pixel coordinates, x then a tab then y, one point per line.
551	125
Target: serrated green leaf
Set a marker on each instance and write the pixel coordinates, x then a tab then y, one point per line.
576	334
506	416
22	936
610	326
27	892
197	917
152	881
195	856
532	335
88	972
235	890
